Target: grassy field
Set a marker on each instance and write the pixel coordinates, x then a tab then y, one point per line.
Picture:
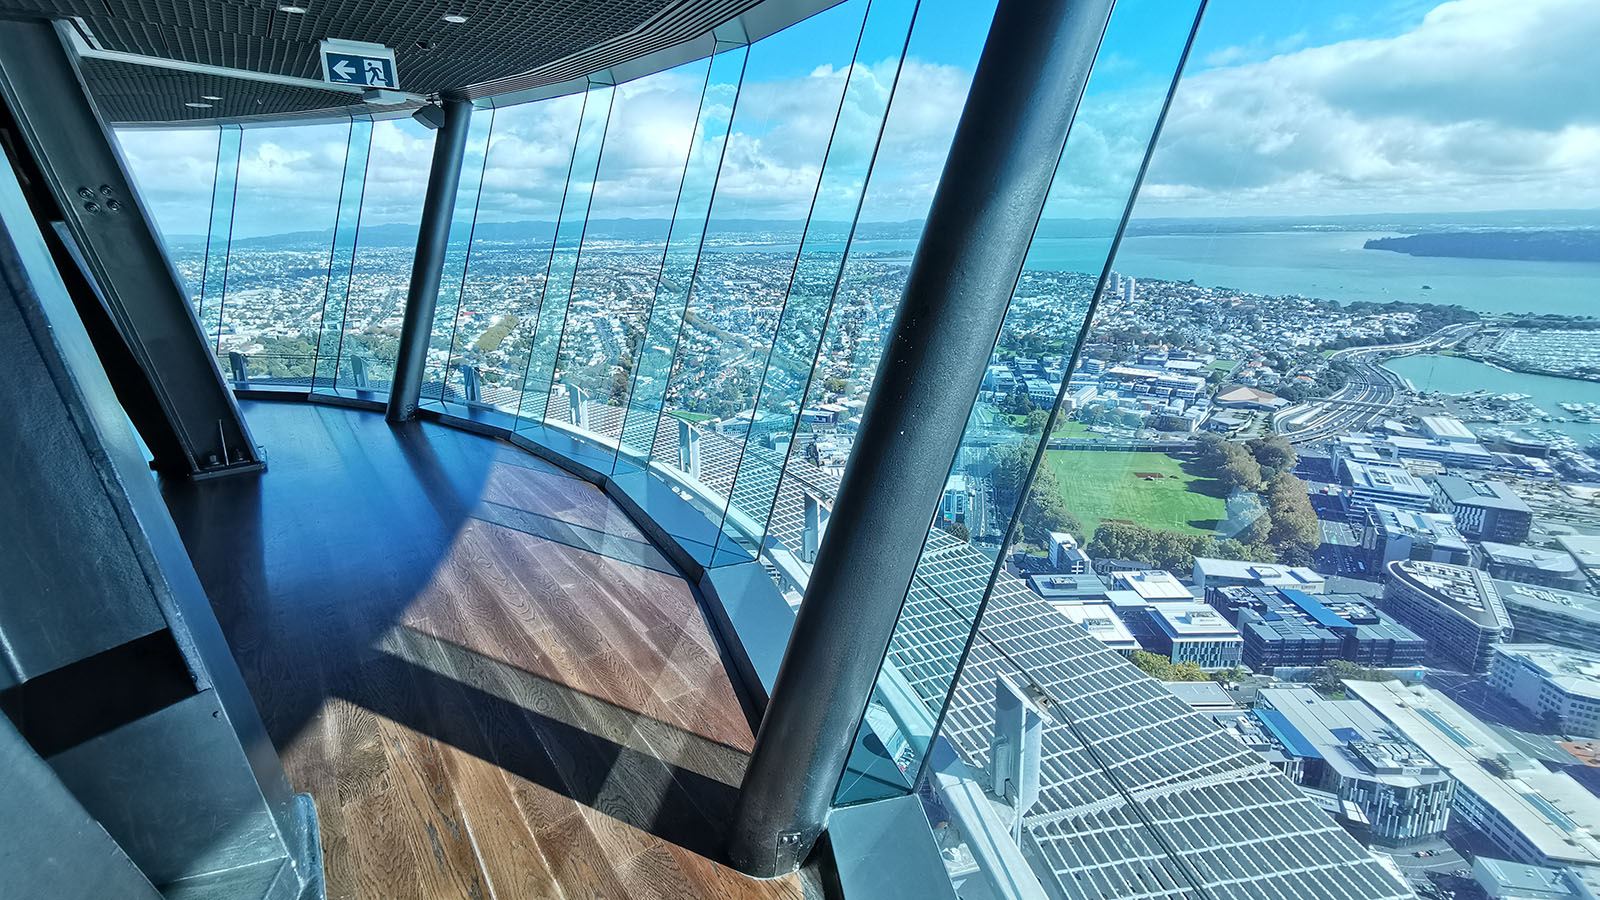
1099	486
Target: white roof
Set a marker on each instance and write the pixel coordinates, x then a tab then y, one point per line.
1552	811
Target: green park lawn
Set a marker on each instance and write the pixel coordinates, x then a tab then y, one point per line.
1122	486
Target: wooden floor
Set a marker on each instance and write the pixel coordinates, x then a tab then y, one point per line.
489	679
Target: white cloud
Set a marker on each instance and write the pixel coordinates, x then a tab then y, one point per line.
1484	105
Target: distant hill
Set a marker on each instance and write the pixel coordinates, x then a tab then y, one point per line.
1576	245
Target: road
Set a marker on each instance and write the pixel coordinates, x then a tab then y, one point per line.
1370	394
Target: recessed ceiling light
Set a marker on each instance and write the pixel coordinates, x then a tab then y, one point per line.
209	97
454	18
290	8
194	105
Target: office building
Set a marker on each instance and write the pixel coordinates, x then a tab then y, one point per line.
1531	565
1394	534
1191	631
1388	788
1560	685
1551	615
1457	610
1102	624
957	499
1151	586
1503	879
1483	510
1366	484
1528	813
1294	629
1219	573
1066	556
1085	588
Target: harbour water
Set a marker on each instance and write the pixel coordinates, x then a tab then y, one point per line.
1454	374
1331	265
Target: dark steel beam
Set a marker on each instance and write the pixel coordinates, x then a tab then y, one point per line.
124	285
1024	94
433	238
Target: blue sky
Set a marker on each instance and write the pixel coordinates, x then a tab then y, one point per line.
1288	107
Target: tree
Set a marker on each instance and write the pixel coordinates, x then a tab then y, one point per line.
1230	674
958	531
1294	522
833	384
1239	470
1152	664
1035	421
1275	454
1044	510
1329	679
1188	670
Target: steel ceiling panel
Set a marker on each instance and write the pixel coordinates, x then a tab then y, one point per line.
505	45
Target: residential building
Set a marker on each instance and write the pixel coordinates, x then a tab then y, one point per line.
1455	609
1215	573
1391	791
1483	510
1529	813
1191	631
1558	684
1551	615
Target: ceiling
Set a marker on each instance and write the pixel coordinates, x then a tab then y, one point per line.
505	45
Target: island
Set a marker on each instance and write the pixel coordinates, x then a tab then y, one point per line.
1570	245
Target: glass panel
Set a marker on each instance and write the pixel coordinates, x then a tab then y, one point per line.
644	426
640	175
524	178
386	243
792	356
277	263
342	255
940	56
214	276
175	171
1135	66
789	102
562	264
449	329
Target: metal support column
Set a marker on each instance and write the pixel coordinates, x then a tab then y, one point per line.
1024	94
126	290
433	237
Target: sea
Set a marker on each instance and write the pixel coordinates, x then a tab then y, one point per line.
1334	265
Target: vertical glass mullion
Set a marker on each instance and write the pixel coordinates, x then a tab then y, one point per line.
1048	307
536	405
219	233
342	255
642	420
792	355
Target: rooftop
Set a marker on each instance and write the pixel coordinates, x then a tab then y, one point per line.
1584	547
1447	428
1566	603
1348	736
1100	622
1383	477
1152	585
1530	557
1266	574
1468	592
1574	671
1551	810
1192	620
1487	494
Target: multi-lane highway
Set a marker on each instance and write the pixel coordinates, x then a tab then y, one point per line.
1369	395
